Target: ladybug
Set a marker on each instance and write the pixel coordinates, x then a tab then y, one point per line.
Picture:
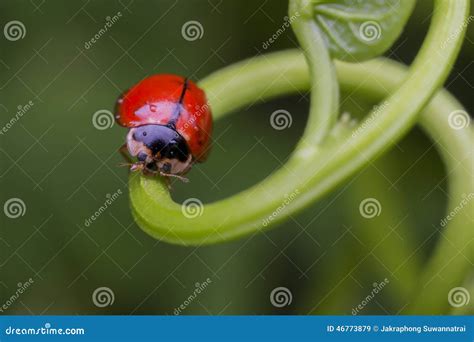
169	122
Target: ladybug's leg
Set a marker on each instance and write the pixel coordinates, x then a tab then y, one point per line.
169	175
168	183
130	162
124	152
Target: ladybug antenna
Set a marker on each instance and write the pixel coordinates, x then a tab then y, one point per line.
177	112
185	87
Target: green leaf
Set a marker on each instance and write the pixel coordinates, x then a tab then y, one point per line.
357	30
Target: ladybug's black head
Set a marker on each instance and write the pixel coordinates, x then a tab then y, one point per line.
159	148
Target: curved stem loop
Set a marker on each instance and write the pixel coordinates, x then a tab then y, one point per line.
450	261
324	103
312	174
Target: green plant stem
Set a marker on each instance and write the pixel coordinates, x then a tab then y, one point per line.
324	103
450	261
314	172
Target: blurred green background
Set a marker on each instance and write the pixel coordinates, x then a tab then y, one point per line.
62	167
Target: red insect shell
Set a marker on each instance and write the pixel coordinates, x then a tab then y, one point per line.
156	100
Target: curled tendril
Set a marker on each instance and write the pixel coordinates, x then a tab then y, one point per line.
328	153
319	168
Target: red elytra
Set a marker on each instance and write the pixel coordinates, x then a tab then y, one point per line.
170	99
